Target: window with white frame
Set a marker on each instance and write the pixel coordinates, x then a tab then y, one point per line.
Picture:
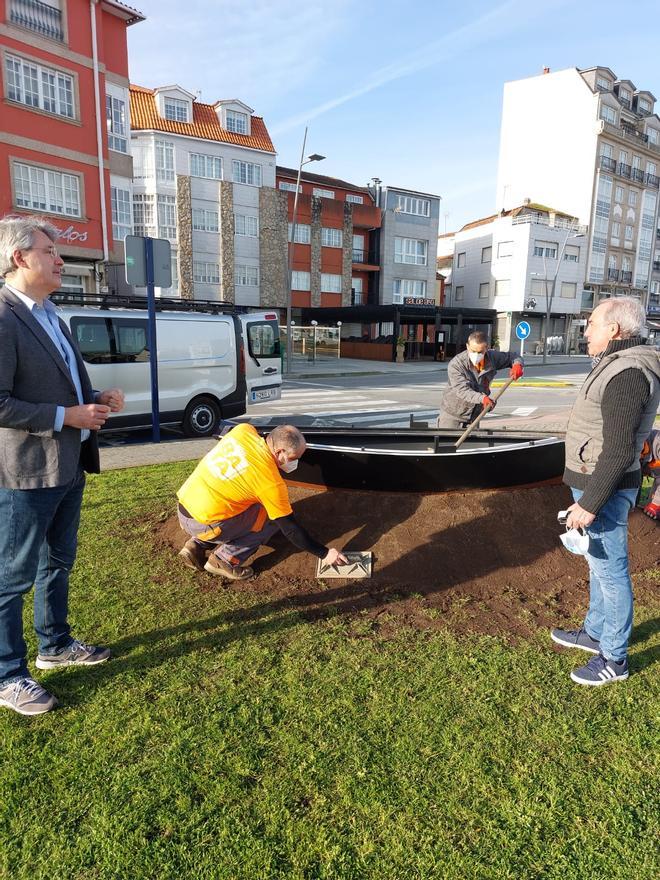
330	283
412	205
115	113
237	122
632	198
644	105
246	276
206	273
410	250
354	199
545	249
357	288
653	135
461	260
144	215
607	150
569	289
120	201
616	229
44	190
204	220
625	264
164	160
624	93
624	157
176	110
300	281
246	172
203	165
460	293
603	83
505	249
331	237
408	288
166	216
72	284
484	290
608	114
618	193
36	85
651	168
628	233
303	233
486	254
246	224
323	193
285	186
572	253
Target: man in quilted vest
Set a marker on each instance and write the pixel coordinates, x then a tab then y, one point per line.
610	420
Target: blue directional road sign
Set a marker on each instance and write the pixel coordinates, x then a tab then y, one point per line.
523	330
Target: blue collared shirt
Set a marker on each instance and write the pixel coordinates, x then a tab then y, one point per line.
46	315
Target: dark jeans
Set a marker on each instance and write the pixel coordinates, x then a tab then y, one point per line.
38	541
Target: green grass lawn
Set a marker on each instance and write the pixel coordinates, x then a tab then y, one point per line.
227	739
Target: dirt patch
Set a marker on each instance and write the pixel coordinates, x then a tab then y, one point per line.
482	562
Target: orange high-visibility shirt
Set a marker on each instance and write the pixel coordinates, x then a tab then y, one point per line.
238	472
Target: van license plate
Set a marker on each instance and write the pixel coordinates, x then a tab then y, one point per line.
259	396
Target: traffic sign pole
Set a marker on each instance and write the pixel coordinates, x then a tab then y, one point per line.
151	337
522	332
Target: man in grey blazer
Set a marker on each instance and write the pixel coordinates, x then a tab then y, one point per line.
49	416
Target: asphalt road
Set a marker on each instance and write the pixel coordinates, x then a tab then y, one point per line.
384	400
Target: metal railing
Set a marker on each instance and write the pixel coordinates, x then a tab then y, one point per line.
358	256
638	175
623	170
626	277
38	17
628	132
543	220
608	164
612	274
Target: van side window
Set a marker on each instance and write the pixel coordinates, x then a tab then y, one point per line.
93	338
263	340
111	340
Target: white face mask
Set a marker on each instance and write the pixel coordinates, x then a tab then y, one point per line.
576	541
289	466
476	357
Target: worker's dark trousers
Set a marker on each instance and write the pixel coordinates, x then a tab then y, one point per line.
235	539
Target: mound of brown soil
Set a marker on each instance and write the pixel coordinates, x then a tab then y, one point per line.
484	562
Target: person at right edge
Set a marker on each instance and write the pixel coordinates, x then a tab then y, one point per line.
610	420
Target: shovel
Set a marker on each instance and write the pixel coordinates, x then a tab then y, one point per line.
470	428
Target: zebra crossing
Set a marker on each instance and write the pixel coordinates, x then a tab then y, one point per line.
325	402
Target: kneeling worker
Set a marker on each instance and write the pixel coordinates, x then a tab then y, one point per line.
236	499
469	376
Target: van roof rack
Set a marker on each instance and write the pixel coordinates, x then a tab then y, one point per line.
163	304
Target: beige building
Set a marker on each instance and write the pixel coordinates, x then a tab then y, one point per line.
590	142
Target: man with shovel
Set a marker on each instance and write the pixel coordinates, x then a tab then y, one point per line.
469	378
236	499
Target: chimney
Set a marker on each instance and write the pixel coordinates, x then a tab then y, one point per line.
546	70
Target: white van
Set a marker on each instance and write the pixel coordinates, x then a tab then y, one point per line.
209	365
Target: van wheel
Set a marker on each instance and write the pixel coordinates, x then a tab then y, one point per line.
201	417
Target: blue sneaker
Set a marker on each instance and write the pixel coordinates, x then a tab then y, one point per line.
575	638
599	670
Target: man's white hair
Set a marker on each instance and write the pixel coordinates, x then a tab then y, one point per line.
628	313
17	234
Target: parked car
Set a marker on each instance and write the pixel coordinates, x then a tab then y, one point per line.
210	366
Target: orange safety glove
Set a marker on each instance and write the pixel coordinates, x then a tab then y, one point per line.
652	510
488	402
516	371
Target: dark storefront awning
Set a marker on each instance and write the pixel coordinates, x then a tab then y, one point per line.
398	314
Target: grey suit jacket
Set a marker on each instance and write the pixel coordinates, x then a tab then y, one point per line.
34	381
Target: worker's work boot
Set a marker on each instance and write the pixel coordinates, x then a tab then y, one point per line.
219	567
193	554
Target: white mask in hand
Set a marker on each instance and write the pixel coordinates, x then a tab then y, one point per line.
576	541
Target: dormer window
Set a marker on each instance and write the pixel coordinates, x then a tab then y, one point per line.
624	94
643	105
603	85
237	122
176	110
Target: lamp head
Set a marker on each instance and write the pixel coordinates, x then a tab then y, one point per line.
315	157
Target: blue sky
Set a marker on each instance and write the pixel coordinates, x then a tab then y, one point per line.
408	92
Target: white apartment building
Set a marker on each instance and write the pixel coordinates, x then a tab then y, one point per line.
204	175
590	142
523	263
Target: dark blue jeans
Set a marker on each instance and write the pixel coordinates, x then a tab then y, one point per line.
38	541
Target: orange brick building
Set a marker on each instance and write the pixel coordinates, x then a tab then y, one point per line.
64	137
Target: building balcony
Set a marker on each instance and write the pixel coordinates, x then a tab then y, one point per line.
656	265
612	274
608	164
358	256
626	277
39	17
629	133
653	180
623	170
366	217
638	175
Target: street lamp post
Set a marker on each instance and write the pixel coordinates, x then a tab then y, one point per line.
314	326
550	297
338	339
314	157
